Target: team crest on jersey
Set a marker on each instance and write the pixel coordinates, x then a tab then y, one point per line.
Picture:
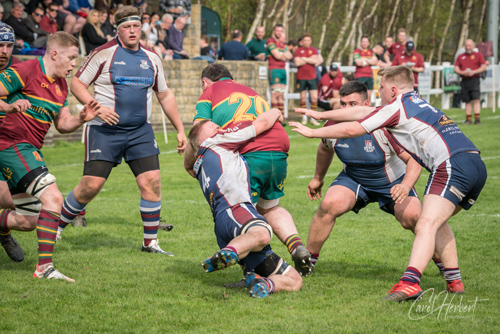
310	52
58	90
197	164
414	58
7	173
37	156
369	146
144	64
472	57
444	120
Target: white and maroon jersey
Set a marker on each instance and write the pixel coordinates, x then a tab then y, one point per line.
124	80
420	129
220	169
371	160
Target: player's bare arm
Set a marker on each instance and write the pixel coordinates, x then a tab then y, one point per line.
278	55
190	156
338	115
80	90
266	120
324	158
343	130
400	191
67	123
17	106
169	106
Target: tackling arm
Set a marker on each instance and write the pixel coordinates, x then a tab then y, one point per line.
400	191
342	130
190	159
338	115
324	158
169	106
266	120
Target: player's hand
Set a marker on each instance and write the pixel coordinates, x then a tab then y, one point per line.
18	106
108	115
181	142
303	130
399	193
90	111
308	112
314	189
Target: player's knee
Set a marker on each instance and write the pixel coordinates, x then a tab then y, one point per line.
330	206
52	199
261	231
296	279
26	223
410	219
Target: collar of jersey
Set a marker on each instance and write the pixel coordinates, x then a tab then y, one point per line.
128	50
225	78
40	60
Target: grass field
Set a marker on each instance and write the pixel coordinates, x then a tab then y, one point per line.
119	289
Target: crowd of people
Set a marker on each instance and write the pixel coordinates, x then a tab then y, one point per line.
239	159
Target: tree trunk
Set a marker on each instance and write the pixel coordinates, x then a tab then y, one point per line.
431	12
409	21
279	14
393	16
464	30
323	29
481	19
340	37
353	28
443	38
285	17
431	54
256	20
306	11
296	11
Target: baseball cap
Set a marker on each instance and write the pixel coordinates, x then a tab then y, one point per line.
334	67
410	45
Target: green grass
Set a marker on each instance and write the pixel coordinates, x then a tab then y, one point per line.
119	289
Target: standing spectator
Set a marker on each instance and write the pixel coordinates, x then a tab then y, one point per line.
176	8
469	66
234	50
412	59
92	34
329	87
278	54
257	46
364	59
150	28
40	36
49	20
306	58
176	38
14	20
379	50
397	47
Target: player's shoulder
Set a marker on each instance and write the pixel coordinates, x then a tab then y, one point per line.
357	50
15	60
27	69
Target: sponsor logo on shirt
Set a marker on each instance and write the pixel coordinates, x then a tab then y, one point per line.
444	120
7	173
416	99
96	151
197	164
343	145
369	146
134	81
120	63
37	156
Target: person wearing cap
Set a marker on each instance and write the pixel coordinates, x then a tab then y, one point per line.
328	88
234	50
412	59
124	76
469	66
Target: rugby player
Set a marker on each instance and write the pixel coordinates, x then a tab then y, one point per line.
37	97
226	102
457	173
242	233
124	75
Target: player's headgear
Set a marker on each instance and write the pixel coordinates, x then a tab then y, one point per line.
7	34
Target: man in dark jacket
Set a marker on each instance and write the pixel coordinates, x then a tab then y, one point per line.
33	24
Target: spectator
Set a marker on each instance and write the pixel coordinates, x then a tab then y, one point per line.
292	46
234	50
176	8
67	21
166	23
40	36
150	28
205	49
74	7
92	35
469	66
387	45
105	5
214	44
329	87
379	50
364	58
49	20
413	60
397	47
1	13
257	46
141	4
145	18
176	38
14	20
106	27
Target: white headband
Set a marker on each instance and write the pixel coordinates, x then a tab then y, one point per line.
128	19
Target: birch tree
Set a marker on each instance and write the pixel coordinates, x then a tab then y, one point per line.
256	21
323	29
464	30
340	37
393	16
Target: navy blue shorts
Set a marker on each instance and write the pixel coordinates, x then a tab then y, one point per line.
459	179
228	226
113	145
367	195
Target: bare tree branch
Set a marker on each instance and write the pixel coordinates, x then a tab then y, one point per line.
306	11
256	20
393	16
